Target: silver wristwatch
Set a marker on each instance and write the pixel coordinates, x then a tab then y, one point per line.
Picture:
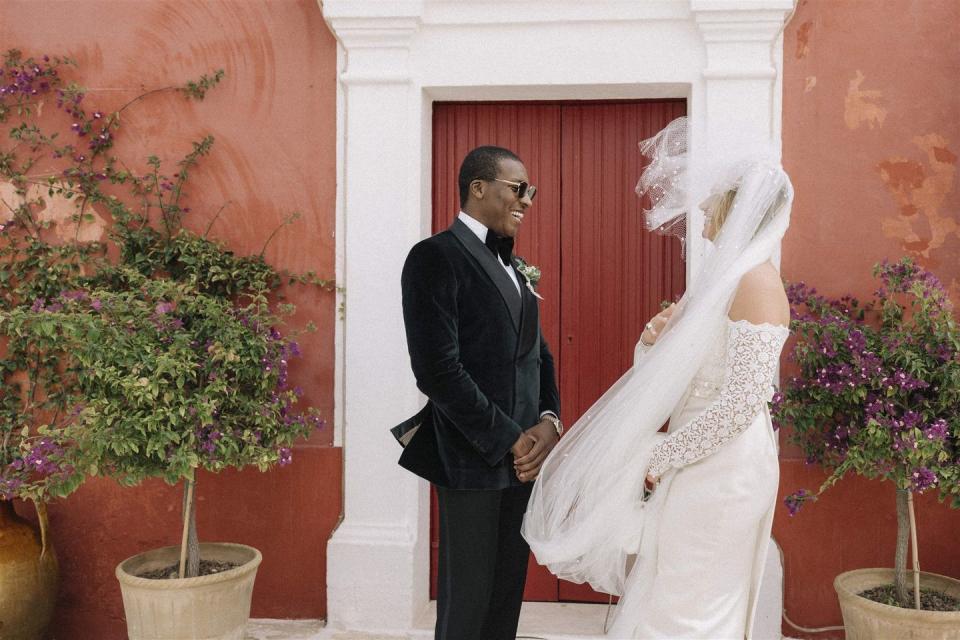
555	421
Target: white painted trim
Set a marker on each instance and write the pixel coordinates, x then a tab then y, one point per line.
398	57
339	396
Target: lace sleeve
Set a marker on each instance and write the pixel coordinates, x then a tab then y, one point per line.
751	361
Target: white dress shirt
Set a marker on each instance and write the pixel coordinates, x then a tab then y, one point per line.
481	231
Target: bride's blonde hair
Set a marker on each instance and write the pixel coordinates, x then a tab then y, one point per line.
722	208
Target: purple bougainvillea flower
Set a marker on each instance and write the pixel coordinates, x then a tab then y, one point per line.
938	430
9	487
795	501
75	294
909	420
923	479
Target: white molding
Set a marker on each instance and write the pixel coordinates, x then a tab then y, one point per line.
339	246
542	12
398	57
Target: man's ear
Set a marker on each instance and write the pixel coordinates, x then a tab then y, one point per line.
477	188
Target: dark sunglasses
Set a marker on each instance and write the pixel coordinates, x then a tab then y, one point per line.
520	188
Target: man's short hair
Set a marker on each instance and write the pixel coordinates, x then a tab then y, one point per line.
481	164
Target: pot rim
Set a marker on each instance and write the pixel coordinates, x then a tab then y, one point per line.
236	573
843	591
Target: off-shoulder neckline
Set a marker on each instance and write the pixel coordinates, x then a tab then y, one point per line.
759	325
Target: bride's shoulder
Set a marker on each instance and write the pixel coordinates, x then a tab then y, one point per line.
760	297
762	276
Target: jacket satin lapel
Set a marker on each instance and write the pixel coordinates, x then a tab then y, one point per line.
480	252
529	323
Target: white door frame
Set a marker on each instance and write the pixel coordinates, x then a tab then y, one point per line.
396	57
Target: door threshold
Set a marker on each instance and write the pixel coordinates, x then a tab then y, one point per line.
538	621
541	621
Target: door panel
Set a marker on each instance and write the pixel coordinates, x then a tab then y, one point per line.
603	275
615	273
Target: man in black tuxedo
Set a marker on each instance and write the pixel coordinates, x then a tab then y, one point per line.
473	332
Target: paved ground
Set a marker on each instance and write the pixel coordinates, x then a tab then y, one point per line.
538	621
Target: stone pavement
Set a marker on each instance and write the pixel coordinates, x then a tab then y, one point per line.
538	621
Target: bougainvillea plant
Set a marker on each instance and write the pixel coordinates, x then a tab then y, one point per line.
152	351
878	390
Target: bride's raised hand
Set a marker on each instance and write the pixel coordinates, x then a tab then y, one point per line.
651	330
650	483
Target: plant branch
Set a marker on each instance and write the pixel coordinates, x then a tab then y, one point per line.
139	98
217	215
289	219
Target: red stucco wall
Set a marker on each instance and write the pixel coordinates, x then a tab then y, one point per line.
274	120
871	133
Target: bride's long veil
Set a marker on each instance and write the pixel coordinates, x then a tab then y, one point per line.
586	513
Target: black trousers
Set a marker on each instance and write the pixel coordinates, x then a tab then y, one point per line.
482	563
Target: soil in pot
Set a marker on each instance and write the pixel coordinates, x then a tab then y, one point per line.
930	599
207	567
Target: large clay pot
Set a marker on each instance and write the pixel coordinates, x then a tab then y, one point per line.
29	575
867	620
213	607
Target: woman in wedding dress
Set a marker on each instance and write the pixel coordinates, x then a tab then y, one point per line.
677	524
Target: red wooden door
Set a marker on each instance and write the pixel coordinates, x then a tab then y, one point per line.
603	275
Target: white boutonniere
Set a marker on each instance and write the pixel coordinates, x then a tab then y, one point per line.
530	273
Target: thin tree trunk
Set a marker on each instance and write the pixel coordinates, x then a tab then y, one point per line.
903	536
189	544
44	520
914	553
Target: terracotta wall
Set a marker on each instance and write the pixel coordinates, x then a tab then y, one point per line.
274	120
871	134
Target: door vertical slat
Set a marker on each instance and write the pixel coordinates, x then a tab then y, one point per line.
615	273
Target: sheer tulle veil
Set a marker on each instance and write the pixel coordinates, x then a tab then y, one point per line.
586	515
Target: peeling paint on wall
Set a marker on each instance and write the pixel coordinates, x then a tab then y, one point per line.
859	106
809	84
920	190
68	218
9	200
803	39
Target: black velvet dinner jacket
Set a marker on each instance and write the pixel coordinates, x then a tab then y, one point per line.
478	355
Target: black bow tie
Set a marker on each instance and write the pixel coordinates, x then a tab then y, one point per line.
501	246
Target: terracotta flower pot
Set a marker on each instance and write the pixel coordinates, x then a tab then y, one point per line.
867	620
212	607
29	575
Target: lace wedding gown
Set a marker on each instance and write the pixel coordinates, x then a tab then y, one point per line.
705	541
